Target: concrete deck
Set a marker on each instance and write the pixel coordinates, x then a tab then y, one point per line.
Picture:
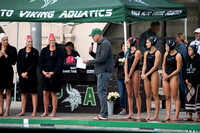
83	122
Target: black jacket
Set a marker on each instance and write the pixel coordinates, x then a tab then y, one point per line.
52	63
103	58
191	70
6	69
27	64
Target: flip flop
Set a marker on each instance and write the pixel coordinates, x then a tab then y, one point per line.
188	119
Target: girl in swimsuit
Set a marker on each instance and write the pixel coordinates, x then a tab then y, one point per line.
132	77
150	75
171	67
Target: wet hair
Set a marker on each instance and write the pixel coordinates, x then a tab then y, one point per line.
155	24
69	43
171	44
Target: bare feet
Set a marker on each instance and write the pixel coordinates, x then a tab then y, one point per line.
21	114
6	114
128	117
154	118
174	119
44	114
33	114
138	118
52	115
148	118
167	119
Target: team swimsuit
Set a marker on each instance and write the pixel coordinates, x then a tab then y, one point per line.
170	64
150	63
131	58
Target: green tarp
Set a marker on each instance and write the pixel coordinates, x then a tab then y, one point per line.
90	10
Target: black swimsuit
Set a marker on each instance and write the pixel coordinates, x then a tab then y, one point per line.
150	63
131	58
170	64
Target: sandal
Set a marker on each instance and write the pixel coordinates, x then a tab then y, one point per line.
188	119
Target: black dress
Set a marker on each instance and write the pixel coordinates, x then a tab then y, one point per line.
27	62
52	62
6	69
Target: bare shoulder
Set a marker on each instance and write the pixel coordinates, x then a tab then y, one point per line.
138	52
158	53
179	55
165	54
146	53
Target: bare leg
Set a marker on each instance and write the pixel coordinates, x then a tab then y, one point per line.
46	103
8	102
154	87
23	104
167	92
34	102
136	83
129	89
147	87
174	85
54	104
1	102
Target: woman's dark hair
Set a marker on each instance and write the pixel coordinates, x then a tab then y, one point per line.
69	43
121	44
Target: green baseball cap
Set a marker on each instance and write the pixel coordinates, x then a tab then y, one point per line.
96	31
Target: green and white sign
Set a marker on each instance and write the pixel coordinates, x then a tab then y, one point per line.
90	10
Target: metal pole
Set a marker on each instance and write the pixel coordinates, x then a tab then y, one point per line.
15	89
185	28
125	35
36	35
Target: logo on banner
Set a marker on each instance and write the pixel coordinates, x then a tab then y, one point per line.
46	2
89	97
74	97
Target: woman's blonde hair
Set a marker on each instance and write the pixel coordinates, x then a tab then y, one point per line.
182	37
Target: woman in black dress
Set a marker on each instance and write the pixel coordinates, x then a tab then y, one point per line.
8	57
50	63
27	61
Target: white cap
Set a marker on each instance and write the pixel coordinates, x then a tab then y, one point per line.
2	35
197	30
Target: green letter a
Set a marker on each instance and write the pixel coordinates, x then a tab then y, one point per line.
89	97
